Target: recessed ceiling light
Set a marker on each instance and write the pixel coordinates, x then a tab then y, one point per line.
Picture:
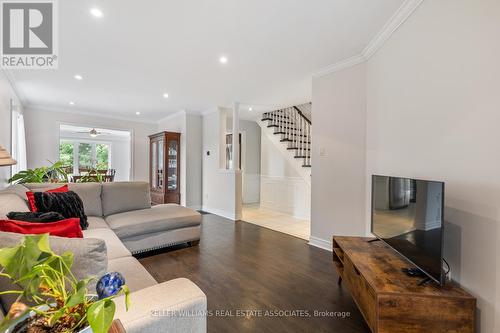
78	77
165	95
137	113
71	103
96	12
250	109
223	60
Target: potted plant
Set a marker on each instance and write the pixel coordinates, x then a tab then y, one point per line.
59	302
55	173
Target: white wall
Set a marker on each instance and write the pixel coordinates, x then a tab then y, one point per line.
190	127
282	188
250	158
6	95
338	177
433	105
121	159
42	128
194	127
221	188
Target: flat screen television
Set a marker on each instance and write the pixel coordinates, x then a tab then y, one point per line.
407	215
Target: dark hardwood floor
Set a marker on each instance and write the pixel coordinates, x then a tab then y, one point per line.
241	266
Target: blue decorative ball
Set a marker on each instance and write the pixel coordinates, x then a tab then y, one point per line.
109	284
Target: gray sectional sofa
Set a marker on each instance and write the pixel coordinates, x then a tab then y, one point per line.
122	222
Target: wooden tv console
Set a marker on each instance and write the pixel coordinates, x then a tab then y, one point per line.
392	302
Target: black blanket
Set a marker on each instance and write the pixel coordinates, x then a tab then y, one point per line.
68	204
36	216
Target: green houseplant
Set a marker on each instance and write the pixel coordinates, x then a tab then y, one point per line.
58	301
55	173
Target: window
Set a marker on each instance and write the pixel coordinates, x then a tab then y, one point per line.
66	154
102	155
85	160
18	138
79	156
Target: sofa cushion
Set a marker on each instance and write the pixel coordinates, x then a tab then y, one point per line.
90	193
10	202
42	187
90	258
121	197
96	223
182	310
136	276
115	247
156	219
18	189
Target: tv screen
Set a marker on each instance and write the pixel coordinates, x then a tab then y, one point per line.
407	214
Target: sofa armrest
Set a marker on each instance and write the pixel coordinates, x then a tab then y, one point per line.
174	306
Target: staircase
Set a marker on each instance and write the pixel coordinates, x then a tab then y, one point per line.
294	131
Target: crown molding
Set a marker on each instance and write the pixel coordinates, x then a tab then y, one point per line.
396	20
173	115
19	94
400	17
35	107
343	64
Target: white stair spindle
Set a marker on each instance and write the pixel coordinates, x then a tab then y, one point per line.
294	139
301	151
308	152
287	126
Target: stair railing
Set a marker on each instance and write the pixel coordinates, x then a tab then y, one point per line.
296	128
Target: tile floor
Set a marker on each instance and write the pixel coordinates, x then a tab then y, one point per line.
276	221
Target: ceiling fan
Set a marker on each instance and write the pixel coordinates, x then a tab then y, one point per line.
93	132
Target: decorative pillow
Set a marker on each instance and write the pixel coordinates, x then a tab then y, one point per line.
31	196
69	228
35	216
68	204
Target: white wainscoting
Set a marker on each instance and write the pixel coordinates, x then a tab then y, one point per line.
290	195
251	188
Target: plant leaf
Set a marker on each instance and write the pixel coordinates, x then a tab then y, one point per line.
79	295
126	291
43	244
8	258
100	315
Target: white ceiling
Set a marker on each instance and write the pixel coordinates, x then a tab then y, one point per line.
140	49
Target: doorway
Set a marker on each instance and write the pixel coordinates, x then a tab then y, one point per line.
107	151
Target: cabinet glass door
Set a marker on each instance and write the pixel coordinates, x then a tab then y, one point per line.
160	164
172	164
154	164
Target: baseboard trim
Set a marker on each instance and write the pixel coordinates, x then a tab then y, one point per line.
321	243
222	213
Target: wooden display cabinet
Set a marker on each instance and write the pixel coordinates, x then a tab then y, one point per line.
164	167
